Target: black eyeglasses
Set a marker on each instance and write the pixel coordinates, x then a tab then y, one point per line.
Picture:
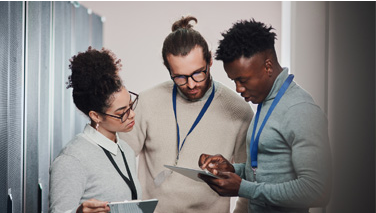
199	76
132	106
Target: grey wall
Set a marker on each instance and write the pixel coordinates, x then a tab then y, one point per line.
11	104
333	57
352	104
38	116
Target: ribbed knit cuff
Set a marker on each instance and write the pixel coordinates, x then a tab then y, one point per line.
239	169
247	189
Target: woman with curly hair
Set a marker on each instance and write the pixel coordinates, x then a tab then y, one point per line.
96	167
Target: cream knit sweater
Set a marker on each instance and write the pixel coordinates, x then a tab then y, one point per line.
222	130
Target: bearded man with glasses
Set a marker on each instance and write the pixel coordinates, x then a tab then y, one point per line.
180	119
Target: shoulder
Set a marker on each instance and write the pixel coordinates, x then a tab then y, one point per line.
78	148
300	107
232	100
157	89
156	94
296	95
154	97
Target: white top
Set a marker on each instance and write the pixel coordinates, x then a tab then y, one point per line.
83	171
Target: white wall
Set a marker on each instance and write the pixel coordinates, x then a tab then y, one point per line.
135	32
332	56
309	48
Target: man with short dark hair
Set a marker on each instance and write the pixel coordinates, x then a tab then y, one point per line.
288	152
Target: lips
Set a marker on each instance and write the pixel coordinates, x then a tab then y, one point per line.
248	99
131	124
192	92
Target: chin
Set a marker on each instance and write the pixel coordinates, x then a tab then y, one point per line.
194	98
128	129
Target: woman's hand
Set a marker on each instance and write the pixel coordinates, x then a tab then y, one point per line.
93	205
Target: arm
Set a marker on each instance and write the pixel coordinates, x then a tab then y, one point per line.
307	135
66	178
310	159
67	185
240	155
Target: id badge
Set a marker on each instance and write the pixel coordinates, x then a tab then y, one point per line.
161	177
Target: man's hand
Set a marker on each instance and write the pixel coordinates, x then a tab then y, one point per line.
215	162
93	205
228	186
218	165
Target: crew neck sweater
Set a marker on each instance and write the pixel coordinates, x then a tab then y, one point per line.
222	130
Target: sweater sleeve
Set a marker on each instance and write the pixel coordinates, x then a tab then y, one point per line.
307	135
241	120
240	169
67	184
241	203
240	154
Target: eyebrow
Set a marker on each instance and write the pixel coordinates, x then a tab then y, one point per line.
124	107
197	70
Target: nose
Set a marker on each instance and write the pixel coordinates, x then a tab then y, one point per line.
239	87
131	114
191	83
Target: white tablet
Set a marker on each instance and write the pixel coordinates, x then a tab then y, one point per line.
191	173
133	206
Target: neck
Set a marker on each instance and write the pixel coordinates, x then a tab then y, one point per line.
108	134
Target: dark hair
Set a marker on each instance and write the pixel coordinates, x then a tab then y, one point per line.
94	79
183	39
245	38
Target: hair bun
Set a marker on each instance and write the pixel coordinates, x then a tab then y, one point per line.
183	23
93	68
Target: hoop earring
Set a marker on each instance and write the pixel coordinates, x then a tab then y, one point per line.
97	126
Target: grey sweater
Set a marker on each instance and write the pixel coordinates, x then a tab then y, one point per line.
294	163
82	171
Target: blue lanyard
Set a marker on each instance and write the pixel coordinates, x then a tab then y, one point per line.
200	115
254	143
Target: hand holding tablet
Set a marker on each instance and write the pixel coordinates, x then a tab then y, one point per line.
134	206
191	173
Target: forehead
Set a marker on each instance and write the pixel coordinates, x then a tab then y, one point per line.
243	66
120	99
185	65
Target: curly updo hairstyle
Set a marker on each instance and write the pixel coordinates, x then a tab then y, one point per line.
183	39
245	38
94	79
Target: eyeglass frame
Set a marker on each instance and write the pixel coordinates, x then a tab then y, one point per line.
126	111
191	76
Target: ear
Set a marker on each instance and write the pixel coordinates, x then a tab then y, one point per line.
269	67
211	60
94	116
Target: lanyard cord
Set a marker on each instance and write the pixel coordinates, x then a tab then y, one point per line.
200	115
254	143
130	182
